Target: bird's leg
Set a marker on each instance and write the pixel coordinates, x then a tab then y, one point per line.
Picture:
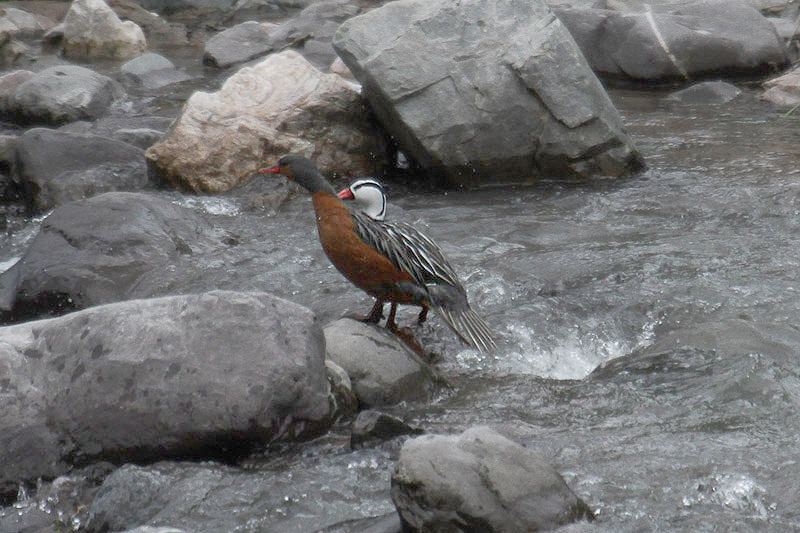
376	313
391	325
422	315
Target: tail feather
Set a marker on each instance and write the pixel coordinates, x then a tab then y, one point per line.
469	327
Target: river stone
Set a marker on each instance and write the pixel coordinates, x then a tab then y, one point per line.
111	247
783	90
56	167
151	71
371	427
688	41
480	481
18	23
485	91
238	44
194	375
382	369
280	105
60	94
707	92
91	29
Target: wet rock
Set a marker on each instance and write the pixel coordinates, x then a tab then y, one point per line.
18	23
91	29
196	375
60	94
144	138
151	71
388	523
480	481
485	91
157	30
57	167
238	44
371	427
707	92
283	104
382	369
682	43
344	401
108	248
783	90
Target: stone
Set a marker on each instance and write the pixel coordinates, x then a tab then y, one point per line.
480	481
280	105
144	138
57	167
111	247
688	41
372	427
344	399
783	90
706	93
91	29
485	91
238	44
207	374
151	71
60	94
383	370
18	23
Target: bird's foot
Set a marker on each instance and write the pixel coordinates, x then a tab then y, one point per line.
368	319
423	315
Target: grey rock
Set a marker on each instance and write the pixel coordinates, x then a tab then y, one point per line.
388	523
18	23
111	247
238	44
372	427
485	91
344	401
195	375
151	71
143	138
705	93
480	481
61	94
57	167
382	369
685	42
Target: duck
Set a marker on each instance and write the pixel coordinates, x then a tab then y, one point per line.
369	195
392	262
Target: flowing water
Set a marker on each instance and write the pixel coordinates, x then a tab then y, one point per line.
650	327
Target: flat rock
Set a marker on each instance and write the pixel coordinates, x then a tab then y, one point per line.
91	29
480	481
196	375
706	93
281	105
151	71
57	167
485	91
382	369
60	94
238	44
783	90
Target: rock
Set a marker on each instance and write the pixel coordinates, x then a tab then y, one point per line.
281	105
689	41
480	481
338	67
195	375
15	54
485	91
707	92
144	138
372	427
60	94
112	247
157	31
238	44
57	167
388	523
8	84
91	29
18	23
344	399
382	369
783	90
151	71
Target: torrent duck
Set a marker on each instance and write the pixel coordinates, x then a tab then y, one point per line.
393	263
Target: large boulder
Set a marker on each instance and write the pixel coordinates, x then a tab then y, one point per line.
485	91
60	94
681	43
480	481
91	29
382	369
111	247
196	375
56	167
283	104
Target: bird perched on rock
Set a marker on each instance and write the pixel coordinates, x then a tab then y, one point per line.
393	263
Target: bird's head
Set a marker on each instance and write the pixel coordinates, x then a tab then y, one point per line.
369	195
302	171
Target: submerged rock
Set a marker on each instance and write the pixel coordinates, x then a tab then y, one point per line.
485	91
195	375
372	427
707	92
57	167
283	104
480	481
382	369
